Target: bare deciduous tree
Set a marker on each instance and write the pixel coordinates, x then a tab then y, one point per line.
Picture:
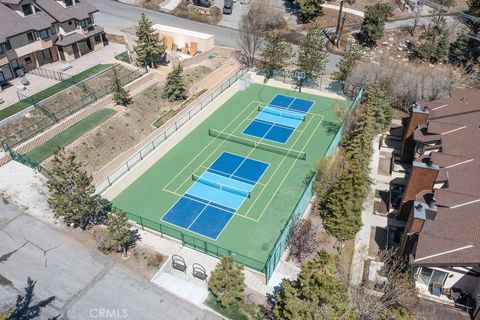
259	19
406	84
302	239
371	301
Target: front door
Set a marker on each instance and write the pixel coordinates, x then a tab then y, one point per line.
5	73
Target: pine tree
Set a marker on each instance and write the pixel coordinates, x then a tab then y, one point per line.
120	95
465	51
378	100
346	65
175	87
72	195
316	294
118	230
275	53
434	42
312	57
227	282
148	45
374	22
309	9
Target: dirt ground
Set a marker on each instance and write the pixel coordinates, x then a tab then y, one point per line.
141	259
132	124
361	5
330	244
36	121
329	19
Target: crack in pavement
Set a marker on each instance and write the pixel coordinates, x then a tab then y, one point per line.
45	251
107	266
5	257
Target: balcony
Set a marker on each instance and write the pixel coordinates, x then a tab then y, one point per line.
32	47
451	297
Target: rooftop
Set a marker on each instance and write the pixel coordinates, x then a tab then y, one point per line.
451	235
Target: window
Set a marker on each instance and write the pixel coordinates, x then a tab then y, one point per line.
44	34
27	9
68	3
27	59
84	23
30	37
8	45
2	51
53	30
98	39
14	64
428	276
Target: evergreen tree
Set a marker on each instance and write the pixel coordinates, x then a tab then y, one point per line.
312	57
120	95
118	230
227	282
316	294
465	51
72	195
346	65
275	53
175	87
374	22
379	101
148	45
308	9
434	42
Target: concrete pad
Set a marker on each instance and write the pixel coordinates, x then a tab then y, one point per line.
184	289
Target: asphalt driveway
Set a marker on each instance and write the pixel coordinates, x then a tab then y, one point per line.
85	283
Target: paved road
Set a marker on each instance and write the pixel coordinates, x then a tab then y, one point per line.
118	17
85	283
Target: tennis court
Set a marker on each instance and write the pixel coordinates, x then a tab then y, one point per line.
279	118
225	191
215	196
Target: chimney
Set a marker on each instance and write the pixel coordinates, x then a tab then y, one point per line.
422	177
418	116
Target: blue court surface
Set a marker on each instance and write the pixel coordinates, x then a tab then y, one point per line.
279	119
212	200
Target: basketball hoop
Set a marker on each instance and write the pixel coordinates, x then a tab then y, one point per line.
299	76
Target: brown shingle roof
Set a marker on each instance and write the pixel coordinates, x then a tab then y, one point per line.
11	23
453	236
79	11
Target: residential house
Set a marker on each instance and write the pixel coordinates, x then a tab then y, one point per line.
441	201
36	32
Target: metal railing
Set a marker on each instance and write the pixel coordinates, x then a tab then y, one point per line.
53	116
165	134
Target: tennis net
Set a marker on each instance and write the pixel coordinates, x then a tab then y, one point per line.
256	144
282	113
221	186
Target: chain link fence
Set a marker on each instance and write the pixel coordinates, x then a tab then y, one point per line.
165	134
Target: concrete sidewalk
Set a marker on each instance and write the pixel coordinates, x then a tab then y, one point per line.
362	239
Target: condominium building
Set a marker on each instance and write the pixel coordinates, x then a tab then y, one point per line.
441	201
37	32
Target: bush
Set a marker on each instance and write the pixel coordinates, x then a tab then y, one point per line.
155	260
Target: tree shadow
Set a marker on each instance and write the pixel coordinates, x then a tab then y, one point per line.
331	126
24	309
134	237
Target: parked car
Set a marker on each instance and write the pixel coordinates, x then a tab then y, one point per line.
227	6
202	3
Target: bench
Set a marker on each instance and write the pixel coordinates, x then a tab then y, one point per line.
199	272
178	263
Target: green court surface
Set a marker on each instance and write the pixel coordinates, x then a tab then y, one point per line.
56	88
256	225
69	135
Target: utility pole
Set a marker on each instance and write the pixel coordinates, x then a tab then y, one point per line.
338	22
341	29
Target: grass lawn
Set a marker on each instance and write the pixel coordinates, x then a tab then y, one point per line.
71	134
56	88
253	230
233	312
